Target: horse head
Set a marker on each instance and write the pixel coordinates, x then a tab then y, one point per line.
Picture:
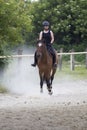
41	47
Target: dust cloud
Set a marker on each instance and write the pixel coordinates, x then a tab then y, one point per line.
19	76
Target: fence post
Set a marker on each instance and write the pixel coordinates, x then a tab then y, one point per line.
19	53
72	62
86	58
60	59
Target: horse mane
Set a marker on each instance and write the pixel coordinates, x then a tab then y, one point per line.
41	41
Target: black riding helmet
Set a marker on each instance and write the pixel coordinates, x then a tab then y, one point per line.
45	23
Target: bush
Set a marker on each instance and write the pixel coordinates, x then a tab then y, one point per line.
67	47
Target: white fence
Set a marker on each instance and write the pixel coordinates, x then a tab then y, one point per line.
72	59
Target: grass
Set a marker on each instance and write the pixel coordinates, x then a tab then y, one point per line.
3	89
80	72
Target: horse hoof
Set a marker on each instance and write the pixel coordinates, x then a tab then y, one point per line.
50	93
41	91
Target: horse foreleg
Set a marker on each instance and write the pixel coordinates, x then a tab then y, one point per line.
41	84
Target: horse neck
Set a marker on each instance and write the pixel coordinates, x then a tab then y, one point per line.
45	56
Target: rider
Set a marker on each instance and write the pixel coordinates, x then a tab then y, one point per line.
48	36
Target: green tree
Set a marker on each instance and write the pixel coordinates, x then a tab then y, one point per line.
15	22
67	17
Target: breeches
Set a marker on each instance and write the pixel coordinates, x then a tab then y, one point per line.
52	52
51	49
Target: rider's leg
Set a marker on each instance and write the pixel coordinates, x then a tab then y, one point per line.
35	60
52	51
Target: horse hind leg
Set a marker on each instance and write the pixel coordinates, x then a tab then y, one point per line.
52	77
49	86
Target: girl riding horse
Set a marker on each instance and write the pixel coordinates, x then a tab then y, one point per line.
48	36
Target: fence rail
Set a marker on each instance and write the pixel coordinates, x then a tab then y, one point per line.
15	56
72	53
31	55
72	59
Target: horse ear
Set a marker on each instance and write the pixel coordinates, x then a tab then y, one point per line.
42	41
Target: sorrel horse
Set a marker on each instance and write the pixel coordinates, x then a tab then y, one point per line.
45	66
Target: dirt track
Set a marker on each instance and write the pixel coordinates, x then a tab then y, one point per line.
41	113
26	109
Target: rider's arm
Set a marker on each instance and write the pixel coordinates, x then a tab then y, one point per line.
40	36
52	37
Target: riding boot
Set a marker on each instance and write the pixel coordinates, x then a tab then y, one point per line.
35	61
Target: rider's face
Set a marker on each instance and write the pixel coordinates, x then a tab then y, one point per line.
46	27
